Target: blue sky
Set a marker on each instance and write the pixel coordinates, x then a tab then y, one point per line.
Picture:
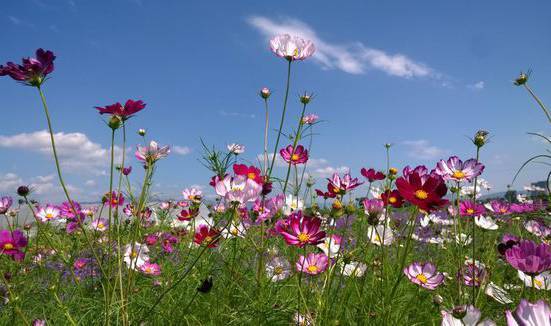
421	75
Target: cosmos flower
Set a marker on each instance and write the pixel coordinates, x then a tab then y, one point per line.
473	274
538	228
47	213
292	47
5	204
392	198
11	244
541	281
457	170
32	71
498	207
424	274
292	203
371	175
466	316
529	257
135	255
294	156
238	189
423	190
326	194
485	222
312	264
353	268
468	208
152	153
497	293
236	148
251	172
206	235
192	194
331	245
278	269
529	314
374	209
302	230
114	199
127	170
125	111
150	269
100	225
379	235
341	186
508	241
265	93
309	119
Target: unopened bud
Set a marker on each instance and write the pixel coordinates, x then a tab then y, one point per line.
115	122
141	132
305	99
23	191
521	79
392	171
265	93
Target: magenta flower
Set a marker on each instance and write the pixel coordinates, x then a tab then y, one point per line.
530	258
371	175
127	170
32	71
340	186
312	264
499	207
473	274
150	269
114	199
457	170
167	241
374	209
11	243
529	314
292	47
470	209
5	204
152	153
301	230
424	274
294	156
124	111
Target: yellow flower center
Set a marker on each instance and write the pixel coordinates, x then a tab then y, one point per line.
503	210
133	254
422	278
392	200
538	283
303	237
470	211
458	174
295	53
251	175
101	225
234	231
312	268
278	270
208	239
49	216
421	194
377	238
294	157
336	190
148	270
8	246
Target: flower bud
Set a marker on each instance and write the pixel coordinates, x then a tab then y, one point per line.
141	132
206	285
459	312
115	122
305	99
521	79
23	191
392	171
265	93
480	138
437	299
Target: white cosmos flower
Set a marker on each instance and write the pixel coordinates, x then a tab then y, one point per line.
541	281
278	269
236	148
234	230
485	222
292	203
353	268
136	255
498	293
380	235
331	245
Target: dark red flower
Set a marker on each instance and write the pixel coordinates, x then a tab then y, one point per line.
325	195
372	175
424	191
206	235
130	107
392	198
250	172
33	71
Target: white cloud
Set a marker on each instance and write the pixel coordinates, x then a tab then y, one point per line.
182	150
353	58
422	149
14	20
478	86
235	114
327	171
41	186
76	151
90	183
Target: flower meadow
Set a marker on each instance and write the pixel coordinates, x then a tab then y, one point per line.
420	247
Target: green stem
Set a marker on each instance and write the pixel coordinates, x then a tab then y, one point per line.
295	143
540	103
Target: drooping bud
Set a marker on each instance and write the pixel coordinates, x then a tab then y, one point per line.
265	93
141	132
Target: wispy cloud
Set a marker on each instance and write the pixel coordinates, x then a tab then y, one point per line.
478	86
422	149
235	114
353	58
41	186
181	150
76	151
19	22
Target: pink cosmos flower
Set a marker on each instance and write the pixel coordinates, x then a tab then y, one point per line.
167	241
238	189
250	172
470	209
192	194
11	243
100	225
292	47
529	314
5	204
150	269
457	170
33	71
151	153
312	264
340	186
373	208
310	119
294	156
424	274
302	230
114	199
529	257
473	274
499	207
47	213
124	111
